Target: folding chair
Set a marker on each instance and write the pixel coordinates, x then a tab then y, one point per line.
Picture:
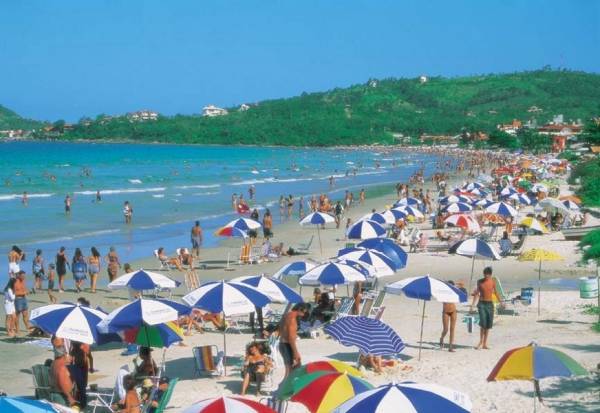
305	247
164	264
164	400
206	360
377	303
106	400
367	304
280	406
41	381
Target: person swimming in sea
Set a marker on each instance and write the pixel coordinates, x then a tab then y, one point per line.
67	204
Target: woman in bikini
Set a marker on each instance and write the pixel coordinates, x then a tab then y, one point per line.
113	264
94	267
448	323
255	367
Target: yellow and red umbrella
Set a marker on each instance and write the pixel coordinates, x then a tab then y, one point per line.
534	224
540	255
323	391
286	388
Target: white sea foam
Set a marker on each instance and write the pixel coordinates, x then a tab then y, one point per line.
122	191
158	196
198	186
12	197
204	193
135	181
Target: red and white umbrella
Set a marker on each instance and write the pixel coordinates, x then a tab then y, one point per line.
232	404
464	221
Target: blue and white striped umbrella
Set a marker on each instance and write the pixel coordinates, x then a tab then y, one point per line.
332	273
407	397
409	210
473	185
137	313
296	268
482	203
277	291
502	208
382	264
408	201
450	199
70	321
508	191
368	270
478	192
393	215
521	198
379	218
457	207
387	246
317	218
23	405
229	298
371	336
427	288
365	229
143	280
475	248
572	206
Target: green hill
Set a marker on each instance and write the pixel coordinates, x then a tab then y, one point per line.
10	120
371	112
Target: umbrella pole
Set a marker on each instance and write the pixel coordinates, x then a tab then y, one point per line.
539	287
224	347
319	234
422	321
472	271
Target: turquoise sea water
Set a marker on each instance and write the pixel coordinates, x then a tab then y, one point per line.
169	187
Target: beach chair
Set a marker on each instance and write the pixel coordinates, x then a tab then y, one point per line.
245	254
377	303
502	299
518	246
41	381
366	306
163	264
279	406
255	255
104	401
304	248
165	399
206	360
345	308
379	313
525	298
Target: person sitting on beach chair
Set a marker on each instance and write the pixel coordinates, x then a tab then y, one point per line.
167	262
256	366
506	245
147	368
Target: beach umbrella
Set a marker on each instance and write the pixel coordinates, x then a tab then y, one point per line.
571	206
534	224
427	288
393	215
276	290
159	335
533	363
540	255
228	404
23	405
229	298
409	210
451	199
552	205
457	208
296	268
286	387
333	273
476	249
70	321
379	218
366	269
478	192
231	232
508	191
483	203
407	397
371	336
143	280
408	201
318	219
501	208
243	224
136	313
521	198
388	247
464	221
379	261
539	188
322	391
365	229
473	185
488	179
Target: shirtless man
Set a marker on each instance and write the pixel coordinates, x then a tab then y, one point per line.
486	288
21	306
288	333
60	375
196	237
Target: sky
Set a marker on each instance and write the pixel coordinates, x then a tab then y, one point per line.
65	59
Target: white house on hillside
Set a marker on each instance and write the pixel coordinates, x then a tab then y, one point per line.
212	110
142	115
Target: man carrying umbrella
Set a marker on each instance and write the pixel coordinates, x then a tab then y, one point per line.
288	337
486	288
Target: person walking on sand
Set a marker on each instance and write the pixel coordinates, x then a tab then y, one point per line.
196	238
15	256
9	307
112	259
94	267
288	337
448	323
21	305
51	278
267	224
61	268
486	288
127	212
38	270
79	269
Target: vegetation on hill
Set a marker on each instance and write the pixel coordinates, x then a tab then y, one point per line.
373	112
10	120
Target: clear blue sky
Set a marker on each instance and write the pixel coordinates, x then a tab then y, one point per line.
66	59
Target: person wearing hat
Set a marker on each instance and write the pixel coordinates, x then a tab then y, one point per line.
146	392
147	368
163	385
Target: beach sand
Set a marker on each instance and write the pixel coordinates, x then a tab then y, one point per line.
562	325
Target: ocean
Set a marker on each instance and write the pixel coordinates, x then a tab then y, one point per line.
169	187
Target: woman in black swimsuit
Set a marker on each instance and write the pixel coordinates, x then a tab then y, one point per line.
255	368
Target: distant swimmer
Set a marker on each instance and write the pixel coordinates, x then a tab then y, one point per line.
67	204
98	197
251	191
25	199
331	181
127	212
